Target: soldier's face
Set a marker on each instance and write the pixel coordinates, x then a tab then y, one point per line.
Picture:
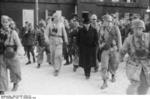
76	24
94	20
12	25
138	30
5	24
106	23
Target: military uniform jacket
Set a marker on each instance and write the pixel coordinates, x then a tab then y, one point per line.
56	34
138	49
110	36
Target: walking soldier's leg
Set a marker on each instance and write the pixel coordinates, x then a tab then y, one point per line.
104	68
15	71
40	56
113	64
132	88
28	55
87	71
58	59
144	86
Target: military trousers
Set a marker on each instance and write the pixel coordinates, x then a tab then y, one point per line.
138	87
138	74
3	75
40	56
14	67
109	63
56	56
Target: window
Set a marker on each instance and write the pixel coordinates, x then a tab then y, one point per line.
130	1
115	0
101	0
133	1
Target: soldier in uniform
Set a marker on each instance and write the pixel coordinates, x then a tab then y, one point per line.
57	35
42	46
29	43
87	40
13	48
110	44
66	48
15	72
137	46
3	67
74	50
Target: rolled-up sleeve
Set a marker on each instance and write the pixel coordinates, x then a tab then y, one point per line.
119	37
125	48
17	42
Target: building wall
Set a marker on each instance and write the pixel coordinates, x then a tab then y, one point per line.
13	8
107	6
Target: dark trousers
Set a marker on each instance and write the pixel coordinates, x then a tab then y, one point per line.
87	71
67	53
30	49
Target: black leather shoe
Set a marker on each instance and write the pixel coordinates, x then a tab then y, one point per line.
56	72
75	68
29	62
15	87
87	77
39	65
67	63
113	79
104	86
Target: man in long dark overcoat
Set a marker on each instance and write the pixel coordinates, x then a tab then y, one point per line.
87	40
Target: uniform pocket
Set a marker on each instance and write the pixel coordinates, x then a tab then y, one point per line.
133	71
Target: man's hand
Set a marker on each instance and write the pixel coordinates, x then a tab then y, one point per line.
101	45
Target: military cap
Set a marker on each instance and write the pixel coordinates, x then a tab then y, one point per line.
107	18
138	23
94	16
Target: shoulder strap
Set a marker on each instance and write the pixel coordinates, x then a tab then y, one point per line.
11	37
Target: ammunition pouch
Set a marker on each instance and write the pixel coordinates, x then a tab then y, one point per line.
10	51
141	53
2	48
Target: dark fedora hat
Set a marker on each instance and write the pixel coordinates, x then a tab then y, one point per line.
86	17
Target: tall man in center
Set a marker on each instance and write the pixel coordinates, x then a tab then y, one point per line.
110	39
87	41
57	35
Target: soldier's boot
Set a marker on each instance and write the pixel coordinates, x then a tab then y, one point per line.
95	69
113	78
15	87
49	63
104	86
29	62
75	67
34	59
56	73
70	59
38	66
67	62
87	77
2	92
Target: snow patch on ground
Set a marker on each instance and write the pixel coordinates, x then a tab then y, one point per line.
42	82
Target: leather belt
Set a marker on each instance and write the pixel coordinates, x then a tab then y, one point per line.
59	36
